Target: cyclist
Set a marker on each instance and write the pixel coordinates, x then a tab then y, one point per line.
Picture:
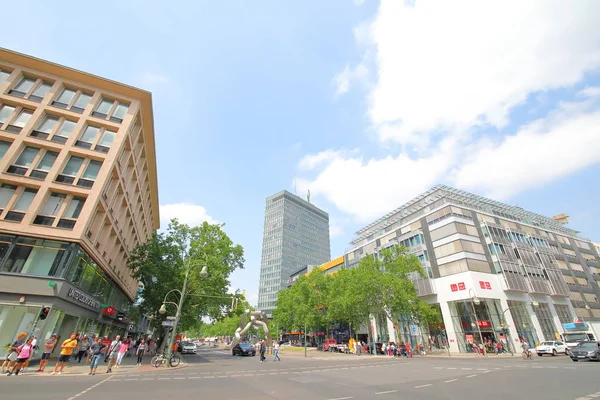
525	347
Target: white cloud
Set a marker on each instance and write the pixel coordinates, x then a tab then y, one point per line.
189	213
444	68
358	74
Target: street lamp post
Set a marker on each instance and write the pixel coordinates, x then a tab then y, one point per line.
475	301
179	307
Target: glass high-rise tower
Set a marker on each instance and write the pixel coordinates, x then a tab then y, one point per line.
296	234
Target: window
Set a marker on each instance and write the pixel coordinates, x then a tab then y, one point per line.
72	213
5	112
88	137
21	206
24	161
64	132
24	86
90	174
45	127
105	142
3	76
74	100
4	147
20	121
41	91
104	110
50	210
44	166
6	193
70	170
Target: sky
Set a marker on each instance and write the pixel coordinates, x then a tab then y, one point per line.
366	103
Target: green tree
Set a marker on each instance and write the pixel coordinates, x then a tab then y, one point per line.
161	263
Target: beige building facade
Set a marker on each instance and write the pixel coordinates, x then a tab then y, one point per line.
78	191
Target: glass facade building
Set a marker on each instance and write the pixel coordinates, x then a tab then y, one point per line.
296	234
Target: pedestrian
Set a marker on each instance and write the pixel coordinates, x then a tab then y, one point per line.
113	352
263	349
123	348
77	348
140	352
276	351
83	348
33	347
49	346
25	351
65	354
13	354
96	350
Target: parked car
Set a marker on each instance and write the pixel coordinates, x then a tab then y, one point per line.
551	347
243	349
188	348
586	351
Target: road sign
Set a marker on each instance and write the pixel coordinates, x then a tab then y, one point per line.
413	329
168	323
169	318
131	328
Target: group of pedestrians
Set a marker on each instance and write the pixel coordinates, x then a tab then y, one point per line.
76	347
262	349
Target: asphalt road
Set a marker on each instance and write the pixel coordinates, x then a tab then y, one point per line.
214	374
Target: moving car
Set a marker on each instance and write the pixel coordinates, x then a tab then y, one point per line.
188	348
243	349
586	351
551	347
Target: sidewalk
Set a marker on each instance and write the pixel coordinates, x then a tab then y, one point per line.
72	368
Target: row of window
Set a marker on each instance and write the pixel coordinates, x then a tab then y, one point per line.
72	99
36	163
57	129
53	213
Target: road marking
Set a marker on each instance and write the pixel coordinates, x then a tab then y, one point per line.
552	367
438	368
386	392
466	369
208	377
163	379
486	372
224	376
180	377
147	379
341	398
481	369
470	376
194	377
248	374
273	373
134	379
235	375
422	386
90	388
451	368
569	367
451	380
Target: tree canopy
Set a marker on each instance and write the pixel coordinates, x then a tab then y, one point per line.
160	265
377	286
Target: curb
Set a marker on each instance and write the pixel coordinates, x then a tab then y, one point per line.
146	369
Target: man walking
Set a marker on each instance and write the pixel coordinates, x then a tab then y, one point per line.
113	352
65	354
276	351
96	350
263	349
48	348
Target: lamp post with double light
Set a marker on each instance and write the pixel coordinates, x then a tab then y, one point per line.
182	293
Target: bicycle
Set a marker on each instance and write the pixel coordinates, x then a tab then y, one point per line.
159	360
526	354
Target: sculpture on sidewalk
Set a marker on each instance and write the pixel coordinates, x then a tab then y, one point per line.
256	319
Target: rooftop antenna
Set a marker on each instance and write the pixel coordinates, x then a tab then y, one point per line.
295	188
308	196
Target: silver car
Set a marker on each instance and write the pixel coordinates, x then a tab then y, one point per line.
188	348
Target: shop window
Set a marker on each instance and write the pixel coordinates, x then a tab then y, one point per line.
21	206
72	99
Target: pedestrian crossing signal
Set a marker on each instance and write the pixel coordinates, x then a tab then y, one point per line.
44	313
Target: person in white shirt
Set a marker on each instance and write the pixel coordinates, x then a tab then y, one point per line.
276	351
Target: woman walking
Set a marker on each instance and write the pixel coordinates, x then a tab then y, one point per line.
141	351
25	351
13	353
122	350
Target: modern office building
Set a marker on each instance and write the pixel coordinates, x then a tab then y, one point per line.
488	266
296	234
78	190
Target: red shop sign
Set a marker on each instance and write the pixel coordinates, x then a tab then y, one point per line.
488	286
461	286
453	287
484	324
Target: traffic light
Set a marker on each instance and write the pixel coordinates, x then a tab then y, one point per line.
44	313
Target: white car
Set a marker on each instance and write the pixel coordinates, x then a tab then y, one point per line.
554	347
188	347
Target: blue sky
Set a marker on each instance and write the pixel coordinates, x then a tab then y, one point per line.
365	103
